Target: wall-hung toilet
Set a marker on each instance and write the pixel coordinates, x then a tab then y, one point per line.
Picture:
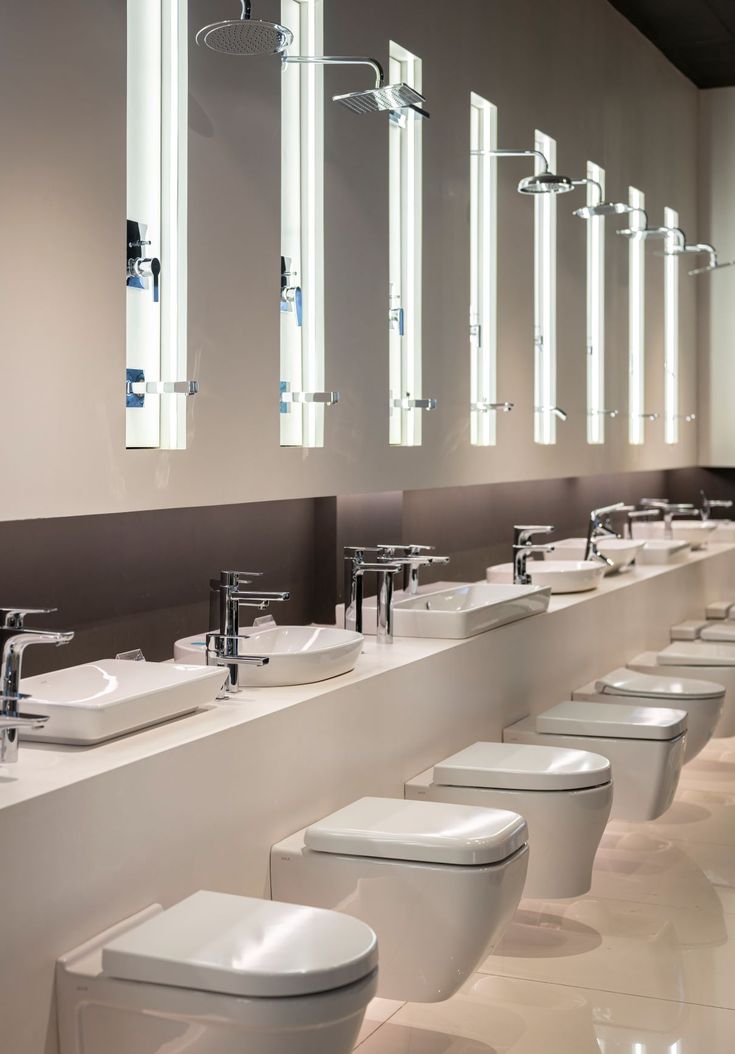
219	974
564	796
703	701
438	883
645	746
699	659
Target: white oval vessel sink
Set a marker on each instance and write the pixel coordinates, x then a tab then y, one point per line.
100	700
297	654
622	551
561	576
663	551
696	532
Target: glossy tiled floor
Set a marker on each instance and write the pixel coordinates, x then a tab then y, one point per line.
644	964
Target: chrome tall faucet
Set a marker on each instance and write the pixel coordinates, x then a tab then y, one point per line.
600	527
358	567
223	645
523	546
634	515
412	558
708	504
15	637
669	510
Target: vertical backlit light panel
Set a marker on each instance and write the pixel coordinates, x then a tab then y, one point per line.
483	268
671	332
157	93
595	311
405	265
544	335
302	221
636	322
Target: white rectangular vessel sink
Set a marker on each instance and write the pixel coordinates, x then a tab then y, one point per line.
622	551
296	654
657	551
696	532
100	700
561	576
462	611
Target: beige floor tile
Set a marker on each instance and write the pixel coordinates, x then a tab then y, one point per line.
653	950
635	864
497	1015
714	767
381	1009
368	1027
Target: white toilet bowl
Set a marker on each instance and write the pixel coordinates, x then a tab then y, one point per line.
703	701
564	796
703	660
219	974
645	746
438	883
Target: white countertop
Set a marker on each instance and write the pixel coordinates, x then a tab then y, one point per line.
43	769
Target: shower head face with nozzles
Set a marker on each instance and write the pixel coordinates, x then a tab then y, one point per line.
245	35
381	98
546	183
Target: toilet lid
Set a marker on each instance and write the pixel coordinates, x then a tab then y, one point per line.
523	766
624	682
216	942
718	631
612	720
425	831
697	653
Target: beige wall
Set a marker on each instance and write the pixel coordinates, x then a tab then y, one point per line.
717	291
573	68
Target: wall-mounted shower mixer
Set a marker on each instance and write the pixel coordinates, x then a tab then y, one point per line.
292	299
136	388
289	398
140	269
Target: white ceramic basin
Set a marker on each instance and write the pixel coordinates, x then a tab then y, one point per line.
100	700
724	530
297	654
462	611
622	551
561	576
663	551
696	532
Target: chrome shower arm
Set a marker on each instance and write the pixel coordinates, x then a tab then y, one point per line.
513	153
246	9
587	182
340	60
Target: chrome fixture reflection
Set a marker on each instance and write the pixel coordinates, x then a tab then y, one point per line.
246	35
523	546
380	98
223	645
708	504
357	568
600	526
15	637
412	558
557	411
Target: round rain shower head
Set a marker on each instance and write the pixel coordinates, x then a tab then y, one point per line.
545	183
605	208
245	35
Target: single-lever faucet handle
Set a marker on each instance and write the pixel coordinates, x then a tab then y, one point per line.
523	535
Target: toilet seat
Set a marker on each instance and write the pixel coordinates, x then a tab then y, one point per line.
565	796
520	766
232	945
612	720
405	830
623	682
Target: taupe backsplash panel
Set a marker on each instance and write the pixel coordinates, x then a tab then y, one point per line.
142	579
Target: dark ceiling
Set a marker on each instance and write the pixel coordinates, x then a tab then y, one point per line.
698	36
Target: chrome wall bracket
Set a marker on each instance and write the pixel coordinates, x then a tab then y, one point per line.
409	403
289	398
136	388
